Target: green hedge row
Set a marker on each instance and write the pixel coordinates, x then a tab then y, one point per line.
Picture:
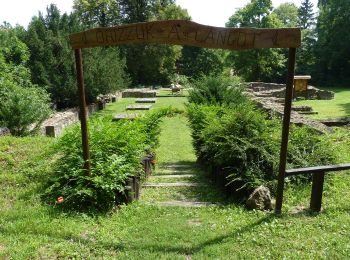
240	145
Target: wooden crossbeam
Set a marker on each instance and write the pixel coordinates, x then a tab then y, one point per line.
183	32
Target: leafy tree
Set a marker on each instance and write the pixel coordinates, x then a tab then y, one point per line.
104	71
306	59
52	61
101	13
135	11
263	64
306	15
306	53
288	14
196	62
151	63
24	106
332	48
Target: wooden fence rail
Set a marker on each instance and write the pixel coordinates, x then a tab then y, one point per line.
318	174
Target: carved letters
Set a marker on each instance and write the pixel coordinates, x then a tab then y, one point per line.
188	33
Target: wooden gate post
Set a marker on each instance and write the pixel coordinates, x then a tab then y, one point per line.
316	192
83	112
285	130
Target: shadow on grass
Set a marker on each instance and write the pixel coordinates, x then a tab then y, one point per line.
346	108
144	246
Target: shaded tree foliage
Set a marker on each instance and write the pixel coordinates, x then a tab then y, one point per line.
332	48
52	61
23	105
306	15
151	63
196	62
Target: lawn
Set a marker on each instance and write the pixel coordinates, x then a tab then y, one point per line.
337	107
30	229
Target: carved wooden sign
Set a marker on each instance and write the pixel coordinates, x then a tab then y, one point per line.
182	32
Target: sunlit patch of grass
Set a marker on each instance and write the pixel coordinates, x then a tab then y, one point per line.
337	107
30	229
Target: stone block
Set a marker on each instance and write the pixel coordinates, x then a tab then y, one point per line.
139	107
4	131
124	116
146	100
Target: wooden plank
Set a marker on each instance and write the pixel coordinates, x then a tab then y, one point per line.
318	169
182	32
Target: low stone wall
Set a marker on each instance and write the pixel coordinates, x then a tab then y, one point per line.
273	103
60	120
279	90
139	93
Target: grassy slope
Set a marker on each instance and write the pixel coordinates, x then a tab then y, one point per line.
337	107
29	229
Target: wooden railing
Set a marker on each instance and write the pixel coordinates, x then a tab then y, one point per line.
318	174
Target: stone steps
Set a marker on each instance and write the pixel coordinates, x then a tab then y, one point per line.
125	116
172	184
177	203
174	172
162	181
138	107
176	166
146	100
176	176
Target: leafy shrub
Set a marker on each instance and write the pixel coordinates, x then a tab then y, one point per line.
245	146
218	90
116	150
22	109
234	139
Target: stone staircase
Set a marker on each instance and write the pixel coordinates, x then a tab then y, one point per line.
177	185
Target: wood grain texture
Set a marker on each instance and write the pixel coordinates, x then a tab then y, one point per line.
182	32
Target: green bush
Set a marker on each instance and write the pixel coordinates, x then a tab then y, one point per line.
219	90
236	140
116	150
244	146
22	109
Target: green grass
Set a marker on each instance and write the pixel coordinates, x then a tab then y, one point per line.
175	142
169	93
30	229
337	107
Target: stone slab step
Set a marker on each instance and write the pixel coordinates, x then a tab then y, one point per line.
175	172
308	112
176	166
125	116
138	107
173	176
170	185
176	203
146	100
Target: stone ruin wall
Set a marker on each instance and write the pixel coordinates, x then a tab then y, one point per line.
54	125
270	97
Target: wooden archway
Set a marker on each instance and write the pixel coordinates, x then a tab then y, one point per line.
182	32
